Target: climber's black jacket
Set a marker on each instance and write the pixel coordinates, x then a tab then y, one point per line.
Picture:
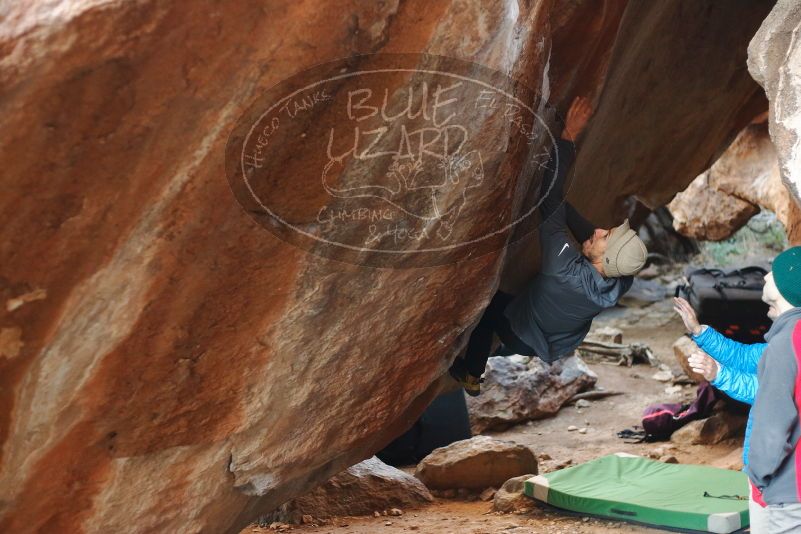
554	313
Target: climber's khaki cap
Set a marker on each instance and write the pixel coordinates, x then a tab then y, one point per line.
625	252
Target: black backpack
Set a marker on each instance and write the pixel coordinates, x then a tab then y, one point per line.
730	302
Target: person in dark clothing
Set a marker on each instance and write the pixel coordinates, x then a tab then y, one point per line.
551	317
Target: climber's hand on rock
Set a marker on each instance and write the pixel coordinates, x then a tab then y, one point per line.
704	365
577	117
687	314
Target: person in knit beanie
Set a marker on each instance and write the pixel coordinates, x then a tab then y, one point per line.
585	269
786	274
765	375
774	455
768	373
625	253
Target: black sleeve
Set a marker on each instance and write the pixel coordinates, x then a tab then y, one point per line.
552	190
581	228
557	252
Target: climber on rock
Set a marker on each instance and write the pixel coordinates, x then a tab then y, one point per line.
551	317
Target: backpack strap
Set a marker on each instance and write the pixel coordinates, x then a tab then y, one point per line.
749	270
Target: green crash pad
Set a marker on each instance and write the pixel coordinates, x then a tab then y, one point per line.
632	488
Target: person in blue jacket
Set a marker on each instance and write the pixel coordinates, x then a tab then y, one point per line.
729	365
772	452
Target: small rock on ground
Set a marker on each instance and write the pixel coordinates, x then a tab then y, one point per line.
510	497
476	463
712	430
487	494
359	490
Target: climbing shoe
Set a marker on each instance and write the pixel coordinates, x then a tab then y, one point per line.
470	383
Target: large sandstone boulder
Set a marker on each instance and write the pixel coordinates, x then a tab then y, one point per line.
743	180
179	358
673	39
476	463
704	212
167	364
774	60
361	489
749	170
519	388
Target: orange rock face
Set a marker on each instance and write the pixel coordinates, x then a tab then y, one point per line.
774	60
167	364
743	180
702	211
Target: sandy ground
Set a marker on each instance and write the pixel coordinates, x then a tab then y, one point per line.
655	325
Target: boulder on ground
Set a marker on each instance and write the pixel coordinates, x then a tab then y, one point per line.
510	498
744	179
361	489
682	348
521	389
720	426
475	463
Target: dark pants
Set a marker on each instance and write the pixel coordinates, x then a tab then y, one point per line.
493	322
